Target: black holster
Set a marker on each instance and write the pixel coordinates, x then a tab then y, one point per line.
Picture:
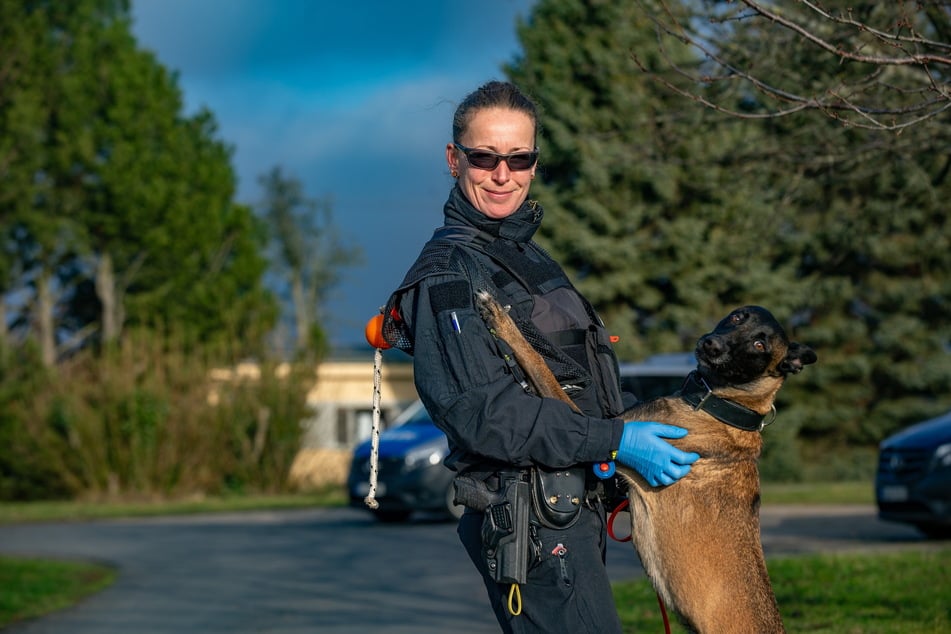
506	539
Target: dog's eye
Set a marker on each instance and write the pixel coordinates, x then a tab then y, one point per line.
759	346
736	318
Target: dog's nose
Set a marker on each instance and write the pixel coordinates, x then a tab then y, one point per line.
711	346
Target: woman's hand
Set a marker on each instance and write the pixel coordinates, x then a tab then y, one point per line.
644	449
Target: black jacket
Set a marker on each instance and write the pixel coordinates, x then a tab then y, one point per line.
461	377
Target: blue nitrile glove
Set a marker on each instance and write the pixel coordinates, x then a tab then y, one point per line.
644	450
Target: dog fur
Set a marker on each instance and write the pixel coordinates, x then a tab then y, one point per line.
699	539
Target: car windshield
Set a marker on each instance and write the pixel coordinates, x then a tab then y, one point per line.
647	387
658	375
415	414
419	420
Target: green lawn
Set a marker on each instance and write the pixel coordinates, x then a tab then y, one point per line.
18	512
33	587
11	512
906	592
818	493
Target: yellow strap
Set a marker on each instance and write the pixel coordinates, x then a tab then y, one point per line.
515	597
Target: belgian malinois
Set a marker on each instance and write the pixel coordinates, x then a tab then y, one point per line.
699	539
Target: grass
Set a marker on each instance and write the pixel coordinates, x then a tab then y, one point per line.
18	512
818	493
905	592
34	587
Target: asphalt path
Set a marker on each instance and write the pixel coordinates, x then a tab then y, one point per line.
333	570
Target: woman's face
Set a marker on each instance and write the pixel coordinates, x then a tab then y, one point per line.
497	192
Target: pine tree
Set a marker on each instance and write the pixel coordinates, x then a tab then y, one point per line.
870	234
667	214
645	206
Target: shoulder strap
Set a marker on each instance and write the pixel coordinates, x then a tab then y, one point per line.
434	259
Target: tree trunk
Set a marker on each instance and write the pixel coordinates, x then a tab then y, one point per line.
106	291
3	323
301	312
44	320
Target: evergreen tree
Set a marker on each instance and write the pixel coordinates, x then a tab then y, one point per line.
37	138
668	213
120	209
646	208
892	58
870	232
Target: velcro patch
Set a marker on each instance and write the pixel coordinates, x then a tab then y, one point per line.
450	295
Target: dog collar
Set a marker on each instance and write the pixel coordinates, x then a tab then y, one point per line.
699	395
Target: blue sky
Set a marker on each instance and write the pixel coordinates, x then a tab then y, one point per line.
354	99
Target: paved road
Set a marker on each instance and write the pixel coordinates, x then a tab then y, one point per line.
331	570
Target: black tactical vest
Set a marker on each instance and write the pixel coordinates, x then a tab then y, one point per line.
555	319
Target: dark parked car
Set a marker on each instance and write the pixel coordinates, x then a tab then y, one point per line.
658	375
913	484
411	475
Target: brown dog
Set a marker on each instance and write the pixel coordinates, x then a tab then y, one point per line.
699	539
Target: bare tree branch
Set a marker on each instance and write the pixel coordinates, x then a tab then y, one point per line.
884	66
896	39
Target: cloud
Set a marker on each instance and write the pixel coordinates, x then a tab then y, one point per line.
390	129
353	99
337	39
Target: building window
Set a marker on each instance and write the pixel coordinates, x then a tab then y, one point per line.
363	424
343	427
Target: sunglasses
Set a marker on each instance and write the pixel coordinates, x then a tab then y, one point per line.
486	160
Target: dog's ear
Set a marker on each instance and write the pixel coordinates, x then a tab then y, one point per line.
797	356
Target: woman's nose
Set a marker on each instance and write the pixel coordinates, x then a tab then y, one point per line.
501	173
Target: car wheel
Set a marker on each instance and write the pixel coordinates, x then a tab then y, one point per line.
392	517
935	531
455	511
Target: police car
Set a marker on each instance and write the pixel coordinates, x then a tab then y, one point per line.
411	475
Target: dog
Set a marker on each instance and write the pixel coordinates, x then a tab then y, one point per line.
699	539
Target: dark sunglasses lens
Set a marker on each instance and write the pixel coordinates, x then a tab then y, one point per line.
486	160
483	160
522	161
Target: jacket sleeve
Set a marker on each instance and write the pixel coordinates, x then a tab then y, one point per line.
473	396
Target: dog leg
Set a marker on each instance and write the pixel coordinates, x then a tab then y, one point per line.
498	320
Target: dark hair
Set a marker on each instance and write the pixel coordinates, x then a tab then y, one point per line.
494	94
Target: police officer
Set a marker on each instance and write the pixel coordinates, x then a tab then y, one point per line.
496	428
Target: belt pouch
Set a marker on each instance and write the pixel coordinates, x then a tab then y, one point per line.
557	496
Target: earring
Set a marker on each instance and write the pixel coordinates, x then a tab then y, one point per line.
455	174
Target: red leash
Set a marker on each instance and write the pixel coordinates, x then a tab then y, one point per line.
663	612
620	507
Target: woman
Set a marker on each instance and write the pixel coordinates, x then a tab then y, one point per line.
504	440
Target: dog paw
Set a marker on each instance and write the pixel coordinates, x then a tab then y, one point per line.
489	309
